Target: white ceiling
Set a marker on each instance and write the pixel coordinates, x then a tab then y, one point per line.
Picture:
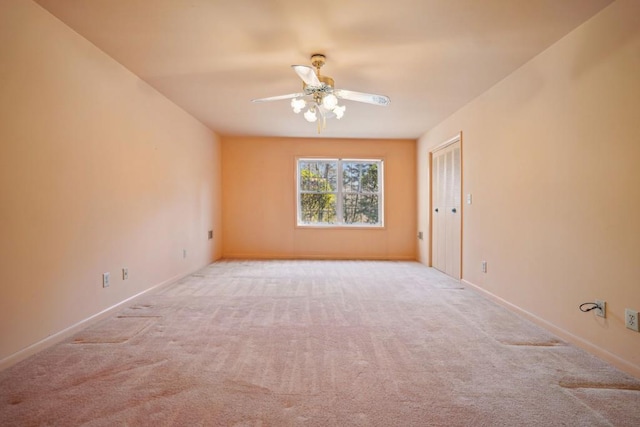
430	57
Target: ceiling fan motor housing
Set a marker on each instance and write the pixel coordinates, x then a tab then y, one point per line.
324	79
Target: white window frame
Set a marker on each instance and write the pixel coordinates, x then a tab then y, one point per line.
340	192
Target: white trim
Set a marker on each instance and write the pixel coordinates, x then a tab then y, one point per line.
317	256
448	142
380	161
611	358
60	336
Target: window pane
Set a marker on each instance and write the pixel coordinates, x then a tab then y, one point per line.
360	208
318	176
360	177
351	177
318	208
369	178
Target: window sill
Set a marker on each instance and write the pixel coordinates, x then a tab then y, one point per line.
339	227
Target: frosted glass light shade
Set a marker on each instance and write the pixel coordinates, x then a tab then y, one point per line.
339	111
298	104
310	115
329	101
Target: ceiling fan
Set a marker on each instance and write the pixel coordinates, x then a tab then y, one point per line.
319	95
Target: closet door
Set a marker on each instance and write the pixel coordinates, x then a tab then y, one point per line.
446	214
438	216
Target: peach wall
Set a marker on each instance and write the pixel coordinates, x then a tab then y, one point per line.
551	155
98	171
259	200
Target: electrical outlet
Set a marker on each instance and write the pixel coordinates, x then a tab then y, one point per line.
184	253
484	266
125	273
631	319
602	308
105	280
210	234
420	235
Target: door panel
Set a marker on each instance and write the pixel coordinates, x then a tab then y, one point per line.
446	209
453	216
439	214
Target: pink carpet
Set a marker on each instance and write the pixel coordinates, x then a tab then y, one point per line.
316	343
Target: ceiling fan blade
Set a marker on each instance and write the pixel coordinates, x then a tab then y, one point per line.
307	74
279	97
369	98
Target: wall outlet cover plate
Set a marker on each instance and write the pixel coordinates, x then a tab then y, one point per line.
631	319
602	311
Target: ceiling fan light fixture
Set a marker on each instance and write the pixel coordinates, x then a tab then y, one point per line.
310	115
339	111
298	104
330	101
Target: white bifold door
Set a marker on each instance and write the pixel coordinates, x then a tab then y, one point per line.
446	215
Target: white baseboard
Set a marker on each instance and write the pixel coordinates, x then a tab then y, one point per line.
307	257
71	330
611	358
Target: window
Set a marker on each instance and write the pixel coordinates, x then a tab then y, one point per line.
340	192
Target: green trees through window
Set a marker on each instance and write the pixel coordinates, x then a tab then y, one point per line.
318	192
339	192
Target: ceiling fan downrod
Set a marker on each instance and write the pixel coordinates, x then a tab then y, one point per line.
318	60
